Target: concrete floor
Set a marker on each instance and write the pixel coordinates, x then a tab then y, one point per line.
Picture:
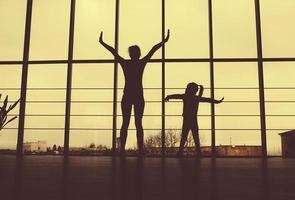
103	178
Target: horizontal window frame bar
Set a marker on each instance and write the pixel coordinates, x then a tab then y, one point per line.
168	60
89	115
147	129
106	102
154	88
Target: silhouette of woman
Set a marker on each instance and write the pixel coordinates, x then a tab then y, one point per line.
190	109
133	91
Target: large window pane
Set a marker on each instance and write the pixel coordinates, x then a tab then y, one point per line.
188	23
234	28
91	142
50	30
10	85
140	24
279	96
45	109
93	16
177	77
278	28
152	111
12	22
91	108
237	118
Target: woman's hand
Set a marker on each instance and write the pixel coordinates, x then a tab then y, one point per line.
100	37
167	37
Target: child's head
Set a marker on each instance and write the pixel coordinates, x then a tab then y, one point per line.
191	88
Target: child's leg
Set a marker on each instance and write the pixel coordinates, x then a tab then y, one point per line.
184	134
195	132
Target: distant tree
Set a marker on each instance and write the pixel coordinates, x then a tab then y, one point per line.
4	110
171	138
54	147
59	149
149	142
153	141
48	149
190	140
101	147
92	145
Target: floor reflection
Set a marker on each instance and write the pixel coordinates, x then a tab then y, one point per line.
114	178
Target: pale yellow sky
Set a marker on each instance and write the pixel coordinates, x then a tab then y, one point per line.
140	23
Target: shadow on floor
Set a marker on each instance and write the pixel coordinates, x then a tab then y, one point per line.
54	178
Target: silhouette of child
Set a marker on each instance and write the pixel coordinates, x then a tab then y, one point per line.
190	109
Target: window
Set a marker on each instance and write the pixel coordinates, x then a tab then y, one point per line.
234	29
12	30
237	119
10	85
278	28
279	97
95	119
45	104
49	32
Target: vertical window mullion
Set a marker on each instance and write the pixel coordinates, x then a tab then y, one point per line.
69	79
211	78
163	79
23	94
115	96
261	78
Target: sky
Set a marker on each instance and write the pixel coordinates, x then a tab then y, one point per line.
140	23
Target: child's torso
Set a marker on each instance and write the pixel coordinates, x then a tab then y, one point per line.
190	107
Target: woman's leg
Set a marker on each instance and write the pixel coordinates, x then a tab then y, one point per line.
195	132
184	134
138	112
126	107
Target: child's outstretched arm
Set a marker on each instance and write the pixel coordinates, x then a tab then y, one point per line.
109	48
174	96
209	100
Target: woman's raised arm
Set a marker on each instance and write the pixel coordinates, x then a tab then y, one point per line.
156	47
109	48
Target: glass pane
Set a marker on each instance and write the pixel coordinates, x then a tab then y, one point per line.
93	16
188	23
278	28
139	27
234	28
152	88
10	85
237	118
50	31
152	111
13	30
280	98
91	108
45	109
43	141
90	142
178	75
